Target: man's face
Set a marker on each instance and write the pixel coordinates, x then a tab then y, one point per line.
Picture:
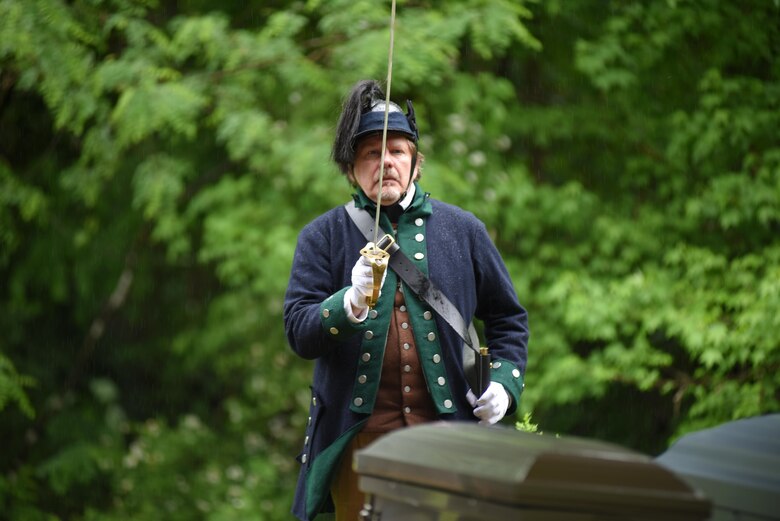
398	161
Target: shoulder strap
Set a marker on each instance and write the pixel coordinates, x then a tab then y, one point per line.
417	281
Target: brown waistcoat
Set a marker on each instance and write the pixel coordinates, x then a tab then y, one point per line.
402	398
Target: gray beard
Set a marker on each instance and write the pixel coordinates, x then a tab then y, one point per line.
390	196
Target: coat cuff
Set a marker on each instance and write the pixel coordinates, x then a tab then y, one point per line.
334	318
508	374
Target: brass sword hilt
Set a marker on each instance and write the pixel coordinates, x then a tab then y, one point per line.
378	255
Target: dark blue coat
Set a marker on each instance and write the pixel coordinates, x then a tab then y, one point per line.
453	247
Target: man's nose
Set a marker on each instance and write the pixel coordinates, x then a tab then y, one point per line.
388	158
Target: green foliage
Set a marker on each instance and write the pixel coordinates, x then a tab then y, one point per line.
157	162
525	425
12	386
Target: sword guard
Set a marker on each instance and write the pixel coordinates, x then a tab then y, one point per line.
378	255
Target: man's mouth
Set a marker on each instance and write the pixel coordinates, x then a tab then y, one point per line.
388	179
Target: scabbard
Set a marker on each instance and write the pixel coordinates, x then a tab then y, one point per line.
483	370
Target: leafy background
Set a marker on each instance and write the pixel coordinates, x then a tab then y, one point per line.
157	159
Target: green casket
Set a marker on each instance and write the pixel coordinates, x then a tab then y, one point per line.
462	471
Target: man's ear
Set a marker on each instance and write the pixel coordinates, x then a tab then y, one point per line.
351	175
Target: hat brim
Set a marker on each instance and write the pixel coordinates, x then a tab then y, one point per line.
372	122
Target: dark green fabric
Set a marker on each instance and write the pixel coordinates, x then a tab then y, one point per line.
508	375
373	345
333	315
320	473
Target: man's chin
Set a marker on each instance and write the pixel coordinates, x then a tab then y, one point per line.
390	196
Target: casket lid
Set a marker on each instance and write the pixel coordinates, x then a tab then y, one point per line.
503	465
737	464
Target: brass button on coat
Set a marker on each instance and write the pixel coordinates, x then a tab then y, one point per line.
441	380
366	357
431	336
436	358
334	331
358	401
447	404
419	256
369	335
373	313
362	378
418	221
326	313
419	237
427	315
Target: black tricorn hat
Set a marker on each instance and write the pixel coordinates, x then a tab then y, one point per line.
362	114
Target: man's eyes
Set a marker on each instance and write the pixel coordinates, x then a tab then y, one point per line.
376	153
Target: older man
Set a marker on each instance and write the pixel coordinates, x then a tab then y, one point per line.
397	363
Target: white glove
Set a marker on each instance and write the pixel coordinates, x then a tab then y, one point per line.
492	405
362	284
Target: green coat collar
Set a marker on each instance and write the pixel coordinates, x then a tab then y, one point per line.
420	207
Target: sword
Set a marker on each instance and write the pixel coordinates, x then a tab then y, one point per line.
377	254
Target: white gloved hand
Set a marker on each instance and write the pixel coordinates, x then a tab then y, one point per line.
362	284
492	405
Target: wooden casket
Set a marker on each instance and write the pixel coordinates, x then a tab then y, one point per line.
463	471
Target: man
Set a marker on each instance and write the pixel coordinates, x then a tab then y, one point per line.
397	363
